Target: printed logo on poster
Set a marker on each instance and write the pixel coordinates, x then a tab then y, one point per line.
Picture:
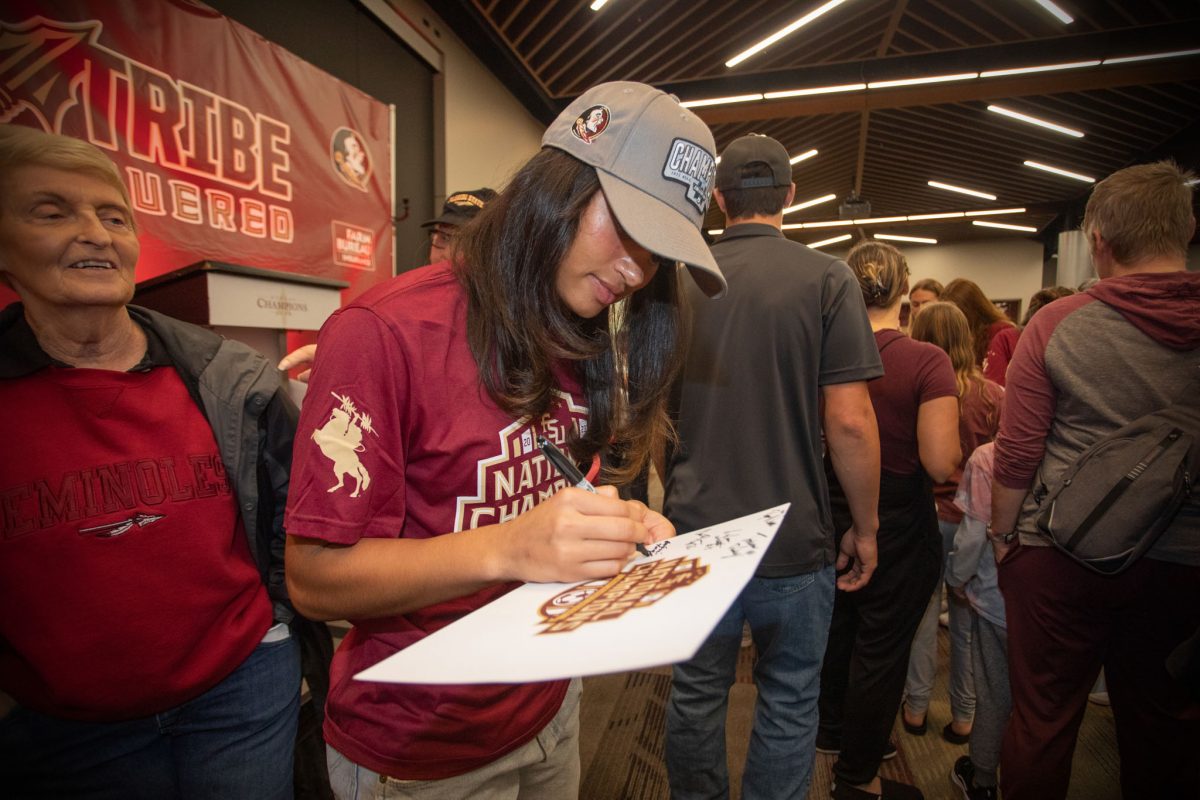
349	158
353	246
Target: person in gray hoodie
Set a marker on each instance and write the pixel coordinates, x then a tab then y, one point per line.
1087	365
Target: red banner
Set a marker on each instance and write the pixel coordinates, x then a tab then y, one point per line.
232	148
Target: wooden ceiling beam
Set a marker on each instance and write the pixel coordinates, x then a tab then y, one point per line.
1184	69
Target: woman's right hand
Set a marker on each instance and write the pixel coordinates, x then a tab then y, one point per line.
576	535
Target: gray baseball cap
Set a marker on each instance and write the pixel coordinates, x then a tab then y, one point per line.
655	160
748	149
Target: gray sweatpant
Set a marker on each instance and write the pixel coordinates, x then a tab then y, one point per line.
993	700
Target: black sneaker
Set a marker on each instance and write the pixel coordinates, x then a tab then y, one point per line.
832	747
963	776
888	790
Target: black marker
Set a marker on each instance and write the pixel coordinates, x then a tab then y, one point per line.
571	473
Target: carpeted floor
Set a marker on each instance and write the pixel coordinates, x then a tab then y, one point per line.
621	744
623	719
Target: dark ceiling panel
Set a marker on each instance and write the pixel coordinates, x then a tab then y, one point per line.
892	141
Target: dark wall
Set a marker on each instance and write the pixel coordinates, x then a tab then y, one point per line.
347	41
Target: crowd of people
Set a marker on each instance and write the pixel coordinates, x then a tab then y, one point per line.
176	532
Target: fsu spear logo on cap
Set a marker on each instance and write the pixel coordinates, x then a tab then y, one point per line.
591	123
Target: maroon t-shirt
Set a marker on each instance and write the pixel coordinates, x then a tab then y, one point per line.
126	581
978	421
913	373
1002	343
397	438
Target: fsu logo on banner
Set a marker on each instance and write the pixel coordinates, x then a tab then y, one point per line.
232	148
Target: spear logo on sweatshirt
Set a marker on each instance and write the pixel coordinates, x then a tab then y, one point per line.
341	440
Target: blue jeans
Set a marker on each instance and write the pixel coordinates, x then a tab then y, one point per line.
789	619
234	741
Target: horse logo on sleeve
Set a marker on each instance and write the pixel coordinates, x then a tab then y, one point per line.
341	440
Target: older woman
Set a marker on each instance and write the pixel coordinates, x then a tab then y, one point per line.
144	641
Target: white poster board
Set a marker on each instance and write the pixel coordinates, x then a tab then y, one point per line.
659	610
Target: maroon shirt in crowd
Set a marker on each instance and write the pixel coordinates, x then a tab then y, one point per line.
914	373
978	421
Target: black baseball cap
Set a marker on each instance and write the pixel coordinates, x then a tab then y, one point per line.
461	207
748	149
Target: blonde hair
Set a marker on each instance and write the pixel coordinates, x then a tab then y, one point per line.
22	146
882	273
943	324
1143	212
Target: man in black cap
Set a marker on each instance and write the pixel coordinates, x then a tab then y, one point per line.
791	334
460	208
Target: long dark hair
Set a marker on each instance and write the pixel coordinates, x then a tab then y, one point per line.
518	327
980	312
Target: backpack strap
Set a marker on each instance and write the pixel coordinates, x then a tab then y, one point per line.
1117	491
1187	407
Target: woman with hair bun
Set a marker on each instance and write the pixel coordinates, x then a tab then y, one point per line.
916	403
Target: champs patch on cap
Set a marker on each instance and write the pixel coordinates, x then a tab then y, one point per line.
591	123
693	166
464	199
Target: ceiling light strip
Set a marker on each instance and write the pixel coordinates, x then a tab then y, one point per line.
833	240
997	73
845	87
946	215
829	223
961	76
949	187
895	237
716	101
1004	225
836	223
858	87
1008	112
1150	56
597	4
802	157
987	211
816	201
1062	16
782	32
1059	171
878	220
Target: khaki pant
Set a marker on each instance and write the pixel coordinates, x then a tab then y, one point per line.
544	768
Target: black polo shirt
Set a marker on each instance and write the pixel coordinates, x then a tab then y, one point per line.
748	402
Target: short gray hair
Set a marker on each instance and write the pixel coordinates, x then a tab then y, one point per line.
22	146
